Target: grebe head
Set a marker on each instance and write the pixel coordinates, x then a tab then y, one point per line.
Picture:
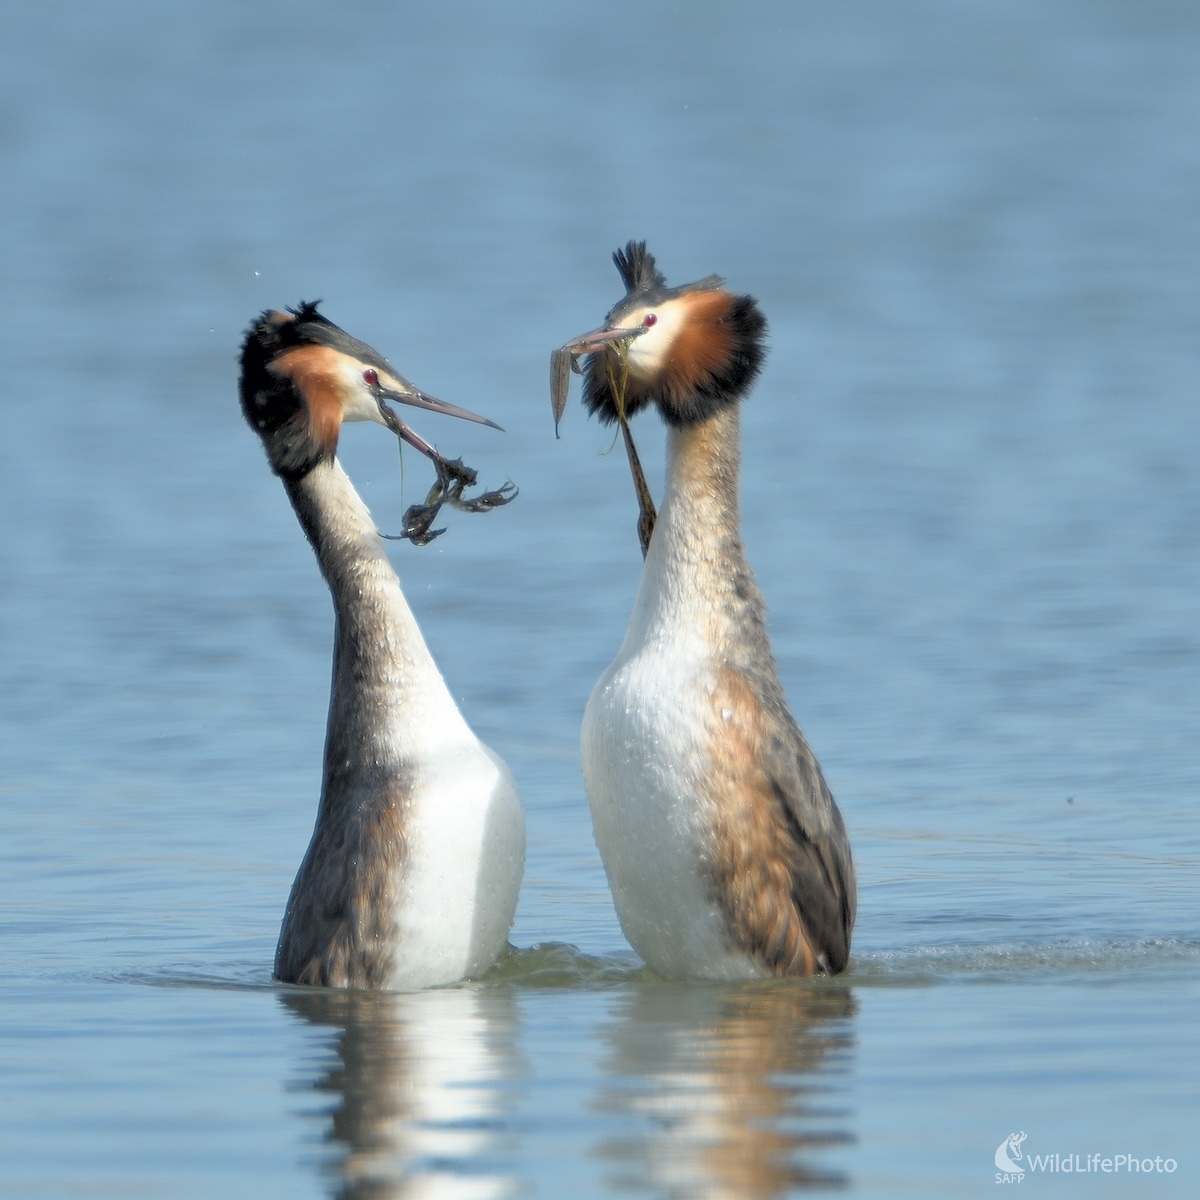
689	350
302	377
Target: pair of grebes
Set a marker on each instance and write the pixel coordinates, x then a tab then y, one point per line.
725	851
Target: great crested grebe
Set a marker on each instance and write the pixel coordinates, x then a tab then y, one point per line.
725	851
412	874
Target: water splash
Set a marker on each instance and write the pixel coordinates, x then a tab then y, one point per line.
1051	962
561	966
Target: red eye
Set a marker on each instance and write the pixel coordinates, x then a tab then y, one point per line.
370	378
651	319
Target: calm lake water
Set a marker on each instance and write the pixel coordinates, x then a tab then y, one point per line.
971	493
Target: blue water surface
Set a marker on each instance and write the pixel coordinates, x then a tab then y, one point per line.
970	492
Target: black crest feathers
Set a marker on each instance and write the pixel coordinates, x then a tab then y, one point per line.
715	357
637	268
271	405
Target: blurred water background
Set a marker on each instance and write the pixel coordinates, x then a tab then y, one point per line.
971	495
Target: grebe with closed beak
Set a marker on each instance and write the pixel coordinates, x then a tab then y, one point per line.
725	851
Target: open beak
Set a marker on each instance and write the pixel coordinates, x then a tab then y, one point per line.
402	392
453	475
419	399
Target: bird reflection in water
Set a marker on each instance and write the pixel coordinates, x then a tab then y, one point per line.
735	1088
417	1090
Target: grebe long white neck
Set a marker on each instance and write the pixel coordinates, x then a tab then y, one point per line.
725	851
696	577
384	678
411	877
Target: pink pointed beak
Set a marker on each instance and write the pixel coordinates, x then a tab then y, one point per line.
601	339
419	399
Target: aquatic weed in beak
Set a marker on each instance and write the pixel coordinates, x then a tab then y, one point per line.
563	361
